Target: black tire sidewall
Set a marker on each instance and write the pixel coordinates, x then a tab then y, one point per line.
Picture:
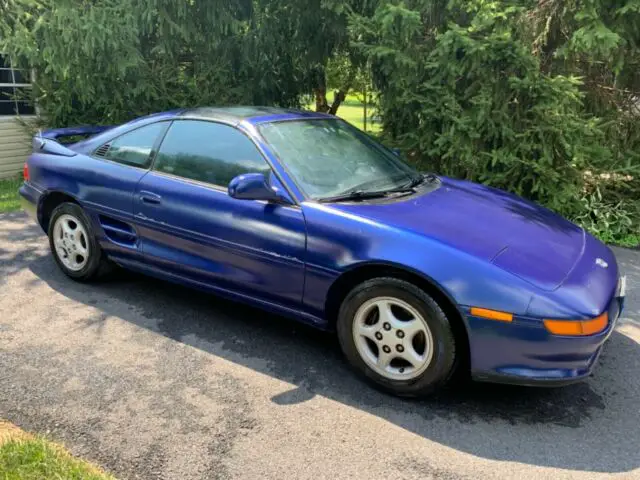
444	355
95	254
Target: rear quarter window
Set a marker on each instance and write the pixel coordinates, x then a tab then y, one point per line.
133	148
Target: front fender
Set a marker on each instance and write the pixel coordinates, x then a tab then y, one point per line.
338	242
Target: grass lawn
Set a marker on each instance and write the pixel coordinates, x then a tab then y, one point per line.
352	110
9	200
25	457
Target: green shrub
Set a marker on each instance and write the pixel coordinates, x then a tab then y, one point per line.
463	92
610	222
525	95
113	60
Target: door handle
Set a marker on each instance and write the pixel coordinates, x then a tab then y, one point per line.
150	197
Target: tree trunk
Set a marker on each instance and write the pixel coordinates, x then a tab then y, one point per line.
364	113
321	99
341	95
320	92
338	98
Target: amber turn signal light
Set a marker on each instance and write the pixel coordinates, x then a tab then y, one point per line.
575	328
491	314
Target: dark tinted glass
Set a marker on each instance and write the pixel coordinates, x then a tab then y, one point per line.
5	76
7	93
208	152
134	148
20	77
25	108
7	108
7	103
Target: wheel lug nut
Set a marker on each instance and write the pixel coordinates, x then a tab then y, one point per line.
400	334
386	349
386	326
400	348
378	335
401	370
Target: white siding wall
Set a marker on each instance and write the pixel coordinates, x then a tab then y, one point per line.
15	146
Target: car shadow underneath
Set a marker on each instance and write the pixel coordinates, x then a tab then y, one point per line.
585	424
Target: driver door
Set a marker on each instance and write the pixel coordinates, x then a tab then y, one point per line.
190	228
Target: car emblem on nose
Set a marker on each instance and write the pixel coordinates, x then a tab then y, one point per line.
601	263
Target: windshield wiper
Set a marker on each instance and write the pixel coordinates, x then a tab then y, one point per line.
360	194
355	195
408	187
420	179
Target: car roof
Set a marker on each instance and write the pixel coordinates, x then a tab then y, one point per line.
253	115
233	115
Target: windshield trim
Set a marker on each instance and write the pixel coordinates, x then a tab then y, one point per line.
383	150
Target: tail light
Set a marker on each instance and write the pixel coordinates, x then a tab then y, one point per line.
25	172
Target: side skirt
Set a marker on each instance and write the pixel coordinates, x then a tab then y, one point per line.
145	269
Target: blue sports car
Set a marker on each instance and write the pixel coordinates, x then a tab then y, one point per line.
304	215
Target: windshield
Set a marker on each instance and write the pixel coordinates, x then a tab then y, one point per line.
330	157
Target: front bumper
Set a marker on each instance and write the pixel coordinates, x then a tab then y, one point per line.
523	352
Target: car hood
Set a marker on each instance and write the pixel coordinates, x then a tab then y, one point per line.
518	236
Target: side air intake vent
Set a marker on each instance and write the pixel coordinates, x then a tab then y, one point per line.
102	151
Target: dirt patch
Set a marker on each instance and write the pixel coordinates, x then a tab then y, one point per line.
8	431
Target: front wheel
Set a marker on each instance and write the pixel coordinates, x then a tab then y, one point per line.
397	337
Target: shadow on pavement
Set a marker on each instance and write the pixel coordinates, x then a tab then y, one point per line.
567	417
591	426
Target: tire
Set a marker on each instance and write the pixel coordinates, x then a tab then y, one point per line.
78	234
362	308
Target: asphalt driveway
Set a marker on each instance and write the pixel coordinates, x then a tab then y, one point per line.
151	380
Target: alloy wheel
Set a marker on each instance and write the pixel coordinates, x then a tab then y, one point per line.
71	242
393	338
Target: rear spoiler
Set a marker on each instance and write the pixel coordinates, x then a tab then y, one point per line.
49	140
58	133
47	145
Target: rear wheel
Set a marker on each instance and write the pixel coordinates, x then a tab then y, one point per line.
397	337
73	243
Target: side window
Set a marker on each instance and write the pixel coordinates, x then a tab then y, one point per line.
208	152
133	148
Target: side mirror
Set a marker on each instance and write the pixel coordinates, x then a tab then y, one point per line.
254	186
